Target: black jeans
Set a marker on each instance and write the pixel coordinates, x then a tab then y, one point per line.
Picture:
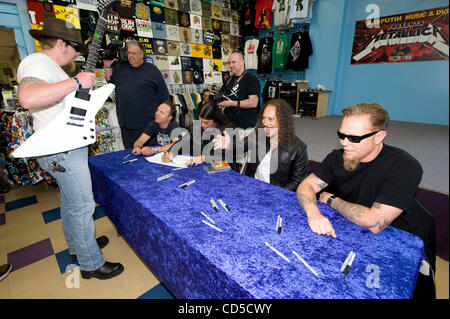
129	136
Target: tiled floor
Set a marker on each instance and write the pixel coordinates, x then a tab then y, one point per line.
31	239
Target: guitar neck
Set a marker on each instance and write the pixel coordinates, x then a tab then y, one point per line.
94	47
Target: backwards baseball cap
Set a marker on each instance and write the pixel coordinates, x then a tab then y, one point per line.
59	29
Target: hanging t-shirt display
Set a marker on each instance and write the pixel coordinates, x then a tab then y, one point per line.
299	51
248	18
263	14
265	55
251	54
280	52
299	9
271	90
157	14
281	14
184	6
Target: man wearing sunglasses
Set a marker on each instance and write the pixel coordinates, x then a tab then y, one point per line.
43	87
371	184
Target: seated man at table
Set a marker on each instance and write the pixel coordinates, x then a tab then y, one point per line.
158	131
282	160
372	185
212	122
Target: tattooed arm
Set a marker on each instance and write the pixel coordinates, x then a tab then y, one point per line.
34	92
306	196
376	218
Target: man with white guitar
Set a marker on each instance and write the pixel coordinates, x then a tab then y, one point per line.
43	88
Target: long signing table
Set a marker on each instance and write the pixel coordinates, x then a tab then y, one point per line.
163	224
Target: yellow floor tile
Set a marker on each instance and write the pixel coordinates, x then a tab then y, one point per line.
23	217
18	191
442	279
4	287
25	236
41	279
113	288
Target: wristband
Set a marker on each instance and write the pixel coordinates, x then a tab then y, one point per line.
330	200
238	104
156	150
78	82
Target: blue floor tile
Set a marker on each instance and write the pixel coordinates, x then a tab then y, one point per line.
51	215
98	213
64	262
157	292
55	214
19	203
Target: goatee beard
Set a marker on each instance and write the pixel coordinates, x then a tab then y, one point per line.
350	163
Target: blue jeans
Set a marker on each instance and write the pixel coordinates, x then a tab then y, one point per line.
77	204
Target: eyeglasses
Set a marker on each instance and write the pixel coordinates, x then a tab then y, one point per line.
73	45
353	138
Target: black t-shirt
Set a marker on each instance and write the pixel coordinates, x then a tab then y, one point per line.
299	51
265	55
160	136
391	178
240	89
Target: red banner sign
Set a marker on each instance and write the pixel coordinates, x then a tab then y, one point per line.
415	36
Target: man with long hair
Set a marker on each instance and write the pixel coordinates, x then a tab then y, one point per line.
278	156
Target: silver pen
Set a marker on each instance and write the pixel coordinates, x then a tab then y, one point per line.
223	205
214	205
129	161
164	177
187	183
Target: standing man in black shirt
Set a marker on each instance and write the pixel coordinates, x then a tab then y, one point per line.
372	185
241	94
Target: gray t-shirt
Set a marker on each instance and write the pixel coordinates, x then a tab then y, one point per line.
160	136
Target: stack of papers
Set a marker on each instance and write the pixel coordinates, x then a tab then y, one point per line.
177	161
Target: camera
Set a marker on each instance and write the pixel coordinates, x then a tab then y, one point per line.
217	96
115	49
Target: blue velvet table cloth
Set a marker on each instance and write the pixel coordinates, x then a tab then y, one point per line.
163	224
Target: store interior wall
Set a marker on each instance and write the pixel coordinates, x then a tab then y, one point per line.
410	91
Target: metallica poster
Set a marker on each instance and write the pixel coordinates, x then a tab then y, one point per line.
408	37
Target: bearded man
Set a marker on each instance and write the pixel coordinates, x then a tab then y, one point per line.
371	184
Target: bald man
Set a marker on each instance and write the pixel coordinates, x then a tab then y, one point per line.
240	93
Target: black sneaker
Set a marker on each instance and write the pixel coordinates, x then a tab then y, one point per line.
4	271
102	241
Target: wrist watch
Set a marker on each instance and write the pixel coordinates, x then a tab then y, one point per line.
330	199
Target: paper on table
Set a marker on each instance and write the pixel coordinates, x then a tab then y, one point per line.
177	161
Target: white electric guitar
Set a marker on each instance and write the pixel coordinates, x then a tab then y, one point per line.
74	127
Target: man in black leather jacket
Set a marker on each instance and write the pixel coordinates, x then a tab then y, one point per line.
277	156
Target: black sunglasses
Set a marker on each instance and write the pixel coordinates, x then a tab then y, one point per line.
353	138
73	45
